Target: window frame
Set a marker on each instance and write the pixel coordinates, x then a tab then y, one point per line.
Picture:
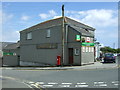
29	36
77	51
48	35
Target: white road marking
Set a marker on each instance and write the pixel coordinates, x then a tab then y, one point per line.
116	84
31	82
103	85
47	85
52	83
40	83
99	82
66	83
81	85
28	85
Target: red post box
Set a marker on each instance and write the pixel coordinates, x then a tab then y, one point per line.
58	60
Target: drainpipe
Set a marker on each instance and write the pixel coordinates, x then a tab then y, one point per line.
66	34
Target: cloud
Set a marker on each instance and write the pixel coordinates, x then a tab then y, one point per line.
13	36
96	17
56	16
25	18
51	13
6	17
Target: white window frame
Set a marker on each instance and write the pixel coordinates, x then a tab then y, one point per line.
77	51
29	36
48	33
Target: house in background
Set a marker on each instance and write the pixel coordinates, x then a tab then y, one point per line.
11	54
2	46
41	44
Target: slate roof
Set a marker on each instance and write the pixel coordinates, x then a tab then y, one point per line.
82	31
13	46
58	21
4	44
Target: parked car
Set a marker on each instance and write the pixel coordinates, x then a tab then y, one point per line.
109	57
118	54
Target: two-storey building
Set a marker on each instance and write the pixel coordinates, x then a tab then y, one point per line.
42	43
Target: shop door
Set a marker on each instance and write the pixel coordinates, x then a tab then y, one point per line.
70	53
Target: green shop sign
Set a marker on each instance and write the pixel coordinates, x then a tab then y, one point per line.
77	37
8	53
87	44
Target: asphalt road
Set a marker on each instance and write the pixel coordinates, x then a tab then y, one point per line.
100	78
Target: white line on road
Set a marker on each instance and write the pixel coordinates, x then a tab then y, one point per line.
81	85
66	83
103	85
31	82
116	84
28	85
47	85
52	83
99	82
115	81
40	83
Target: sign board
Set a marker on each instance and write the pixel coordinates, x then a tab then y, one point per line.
8	53
77	37
88	39
47	46
87	44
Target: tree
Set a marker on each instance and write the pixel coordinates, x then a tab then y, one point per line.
109	50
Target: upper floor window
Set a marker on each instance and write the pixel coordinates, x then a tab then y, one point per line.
29	35
48	33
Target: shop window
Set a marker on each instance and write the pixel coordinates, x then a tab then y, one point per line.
29	35
76	51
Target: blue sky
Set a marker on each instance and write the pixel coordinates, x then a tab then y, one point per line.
101	15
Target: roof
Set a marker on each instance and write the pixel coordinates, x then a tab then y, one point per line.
82	31
58	21
13	46
4	44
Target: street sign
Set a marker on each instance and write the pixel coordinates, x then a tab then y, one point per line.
8	53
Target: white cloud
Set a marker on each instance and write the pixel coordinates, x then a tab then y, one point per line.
43	16
13	36
25	18
56	16
6	17
51	13
96	17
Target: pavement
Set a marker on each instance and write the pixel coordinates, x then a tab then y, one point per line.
96	65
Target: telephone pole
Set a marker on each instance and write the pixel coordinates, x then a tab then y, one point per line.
63	36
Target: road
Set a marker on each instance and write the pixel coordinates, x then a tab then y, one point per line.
100	78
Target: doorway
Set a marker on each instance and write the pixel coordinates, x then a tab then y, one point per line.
70	55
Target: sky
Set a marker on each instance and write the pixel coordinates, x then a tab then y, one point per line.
103	16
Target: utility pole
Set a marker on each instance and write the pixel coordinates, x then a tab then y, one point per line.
63	39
